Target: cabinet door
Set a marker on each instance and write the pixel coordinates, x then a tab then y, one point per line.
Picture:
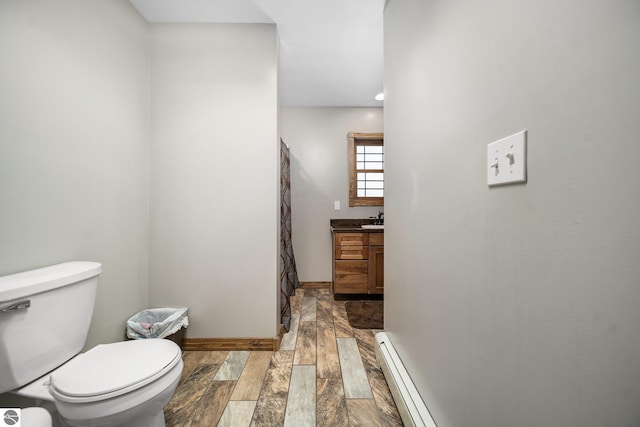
351	277
376	269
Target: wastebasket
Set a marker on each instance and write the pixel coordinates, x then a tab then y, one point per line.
168	323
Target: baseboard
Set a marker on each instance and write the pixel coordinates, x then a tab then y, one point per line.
231	344
278	340
412	408
234	344
315	285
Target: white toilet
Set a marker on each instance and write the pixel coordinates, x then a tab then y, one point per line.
44	320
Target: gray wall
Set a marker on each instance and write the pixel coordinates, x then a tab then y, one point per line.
317	139
85	105
74	146
214	176
516	305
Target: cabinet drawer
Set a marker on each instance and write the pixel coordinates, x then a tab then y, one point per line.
352	252
351	239
376	239
351	277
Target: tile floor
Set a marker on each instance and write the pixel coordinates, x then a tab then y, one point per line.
325	374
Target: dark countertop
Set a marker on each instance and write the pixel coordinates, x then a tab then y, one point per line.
354	225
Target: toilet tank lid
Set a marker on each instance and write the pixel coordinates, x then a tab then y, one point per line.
21	285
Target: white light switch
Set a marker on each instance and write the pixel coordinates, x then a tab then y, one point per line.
507	160
336	205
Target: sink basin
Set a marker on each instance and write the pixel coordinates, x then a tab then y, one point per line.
373	226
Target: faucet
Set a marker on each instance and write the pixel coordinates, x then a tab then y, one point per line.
378	220
380	217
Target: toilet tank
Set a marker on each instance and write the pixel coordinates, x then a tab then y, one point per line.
44	319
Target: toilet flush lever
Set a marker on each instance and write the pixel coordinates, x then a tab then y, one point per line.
20	305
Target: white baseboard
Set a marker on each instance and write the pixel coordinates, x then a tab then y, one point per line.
410	405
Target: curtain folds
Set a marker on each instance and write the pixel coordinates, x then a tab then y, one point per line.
288	272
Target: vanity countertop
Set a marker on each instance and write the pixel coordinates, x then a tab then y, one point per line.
353	225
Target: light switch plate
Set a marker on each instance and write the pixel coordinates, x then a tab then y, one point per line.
336	205
507	160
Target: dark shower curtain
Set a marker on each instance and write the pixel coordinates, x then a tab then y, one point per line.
288	272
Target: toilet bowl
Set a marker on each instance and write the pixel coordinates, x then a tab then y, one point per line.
120	384
117	384
126	383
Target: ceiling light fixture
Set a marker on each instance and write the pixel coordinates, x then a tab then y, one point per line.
379	97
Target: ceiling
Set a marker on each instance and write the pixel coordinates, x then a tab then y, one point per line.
331	51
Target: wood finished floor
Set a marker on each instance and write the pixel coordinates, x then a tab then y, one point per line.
325	374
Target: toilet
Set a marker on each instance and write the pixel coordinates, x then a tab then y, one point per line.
44	320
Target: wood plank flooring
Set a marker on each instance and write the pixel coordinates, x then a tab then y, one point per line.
325	374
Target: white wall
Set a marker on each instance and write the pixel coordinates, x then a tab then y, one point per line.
317	138
74	146
214	176
516	305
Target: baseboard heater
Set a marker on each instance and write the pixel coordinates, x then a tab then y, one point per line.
410	405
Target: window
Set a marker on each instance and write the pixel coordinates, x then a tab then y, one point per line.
366	169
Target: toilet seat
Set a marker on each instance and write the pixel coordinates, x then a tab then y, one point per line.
111	370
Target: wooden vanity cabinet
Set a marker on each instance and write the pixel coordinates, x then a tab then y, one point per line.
358	263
